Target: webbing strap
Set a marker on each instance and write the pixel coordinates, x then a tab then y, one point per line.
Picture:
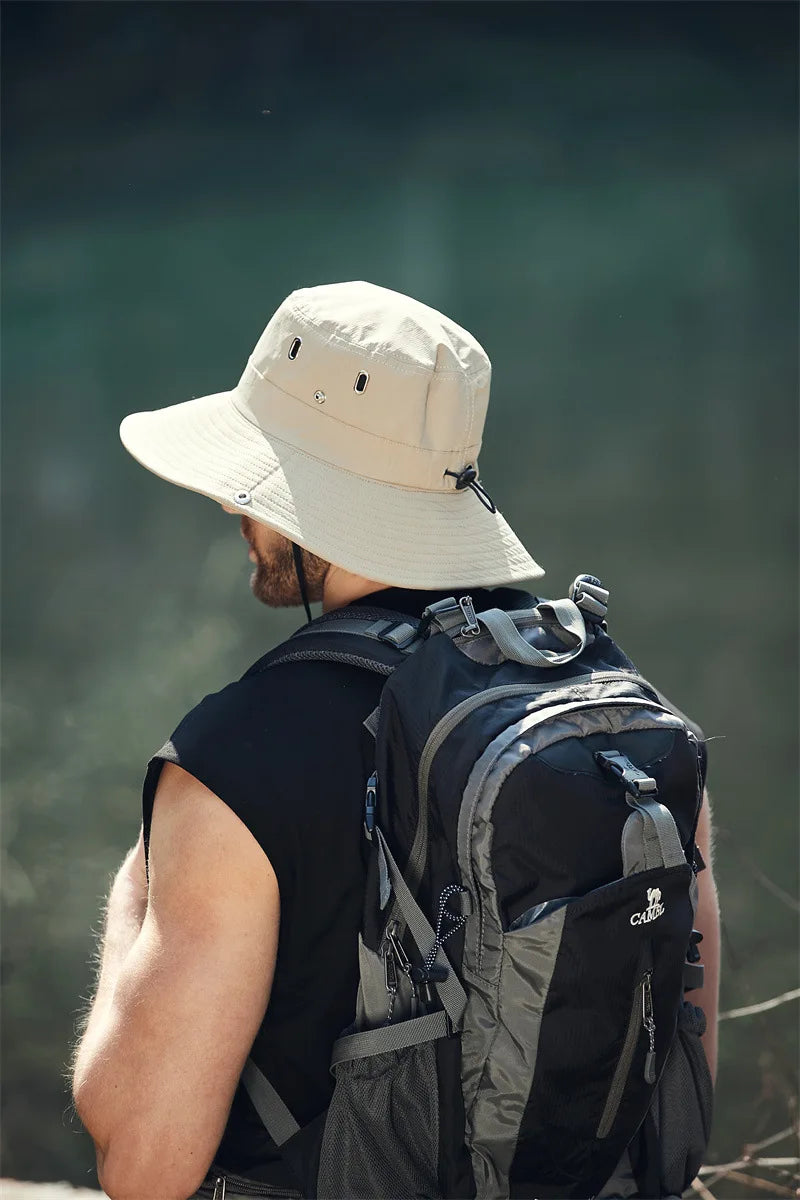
656	833
450	991
391	1037
275	1116
512	644
400	634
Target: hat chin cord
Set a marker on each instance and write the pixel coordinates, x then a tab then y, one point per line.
297	555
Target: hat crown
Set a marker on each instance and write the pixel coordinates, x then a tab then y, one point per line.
372	381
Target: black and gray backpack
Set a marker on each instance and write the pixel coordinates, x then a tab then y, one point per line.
521	1028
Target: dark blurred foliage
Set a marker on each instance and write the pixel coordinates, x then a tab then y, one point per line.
604	194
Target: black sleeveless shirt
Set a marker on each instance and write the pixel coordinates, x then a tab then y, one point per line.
286	750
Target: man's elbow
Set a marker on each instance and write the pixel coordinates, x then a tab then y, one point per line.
128	1171
136	1164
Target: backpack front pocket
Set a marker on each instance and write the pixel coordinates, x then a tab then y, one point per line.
587	1001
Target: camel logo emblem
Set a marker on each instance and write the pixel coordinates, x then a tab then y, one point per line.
654	908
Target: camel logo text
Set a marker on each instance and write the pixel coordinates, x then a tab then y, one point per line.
654	908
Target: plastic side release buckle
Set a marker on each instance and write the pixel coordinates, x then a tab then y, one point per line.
636	781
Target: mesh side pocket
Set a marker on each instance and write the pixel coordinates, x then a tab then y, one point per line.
382	1131
685	1103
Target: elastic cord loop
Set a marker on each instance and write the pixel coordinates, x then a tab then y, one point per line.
468	478
297	554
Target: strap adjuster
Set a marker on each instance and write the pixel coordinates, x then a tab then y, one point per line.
400	635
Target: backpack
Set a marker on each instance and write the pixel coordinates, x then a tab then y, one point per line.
527	936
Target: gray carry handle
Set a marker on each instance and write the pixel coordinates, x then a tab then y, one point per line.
512	644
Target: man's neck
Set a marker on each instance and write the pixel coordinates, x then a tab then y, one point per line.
341	588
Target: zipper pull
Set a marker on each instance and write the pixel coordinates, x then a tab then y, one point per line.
370	804
389	976
648	1021
404	963
472	628
219	1188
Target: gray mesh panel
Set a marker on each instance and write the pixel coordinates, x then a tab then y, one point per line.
685	1102
382	1131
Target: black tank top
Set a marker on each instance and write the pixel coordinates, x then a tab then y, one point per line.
286	750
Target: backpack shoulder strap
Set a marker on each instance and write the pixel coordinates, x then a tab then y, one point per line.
375	639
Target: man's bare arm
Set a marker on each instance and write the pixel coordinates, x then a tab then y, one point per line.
707	922
178	1006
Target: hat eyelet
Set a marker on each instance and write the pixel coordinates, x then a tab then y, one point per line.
294	349
360	385
242	497
320	397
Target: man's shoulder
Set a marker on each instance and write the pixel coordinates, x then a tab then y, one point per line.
274	694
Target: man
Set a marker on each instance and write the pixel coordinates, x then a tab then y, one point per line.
349	449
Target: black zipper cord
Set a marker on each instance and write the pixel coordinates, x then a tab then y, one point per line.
297	554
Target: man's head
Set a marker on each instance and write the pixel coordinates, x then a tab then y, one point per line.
354	432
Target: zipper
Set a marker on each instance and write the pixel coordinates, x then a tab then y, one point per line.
641	1018
229	1186
452	719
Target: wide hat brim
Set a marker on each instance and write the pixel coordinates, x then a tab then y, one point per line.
404	537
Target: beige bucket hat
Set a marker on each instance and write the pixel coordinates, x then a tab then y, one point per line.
351	431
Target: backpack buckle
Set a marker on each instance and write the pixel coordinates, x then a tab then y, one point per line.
636	781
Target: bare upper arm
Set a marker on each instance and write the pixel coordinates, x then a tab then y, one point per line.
703	836
194	989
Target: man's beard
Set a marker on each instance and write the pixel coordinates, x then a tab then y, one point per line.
274	581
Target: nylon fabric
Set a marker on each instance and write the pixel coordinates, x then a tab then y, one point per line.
502	1034
502	755
371	1001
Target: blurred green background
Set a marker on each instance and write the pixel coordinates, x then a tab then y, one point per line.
606	195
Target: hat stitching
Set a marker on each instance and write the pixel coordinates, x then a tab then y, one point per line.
415	368
349	425
382	483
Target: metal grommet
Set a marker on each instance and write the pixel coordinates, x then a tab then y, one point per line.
294	349
320	397
242	497
360	385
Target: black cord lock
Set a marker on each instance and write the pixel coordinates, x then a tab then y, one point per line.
467	477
